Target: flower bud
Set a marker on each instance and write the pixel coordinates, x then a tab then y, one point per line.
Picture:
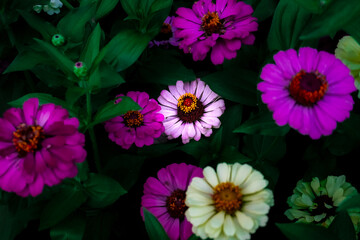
80	69
58	40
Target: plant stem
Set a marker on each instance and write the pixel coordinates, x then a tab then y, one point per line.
91	129
67	4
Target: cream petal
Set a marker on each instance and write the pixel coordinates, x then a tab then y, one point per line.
256	208
200	211
198	199
201	185
255	186
234	169
197	221
210	176
218	220
229	226
244	220
242	174
223	172
211	231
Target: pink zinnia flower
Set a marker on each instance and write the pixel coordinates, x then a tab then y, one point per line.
310	91
223	26
190	109
166	34
139	127
38	146
164	197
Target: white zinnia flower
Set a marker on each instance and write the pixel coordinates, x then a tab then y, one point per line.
316	201
228	204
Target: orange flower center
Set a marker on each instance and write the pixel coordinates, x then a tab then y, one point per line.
165	28
27	138
211	23
175	204
308	88
189	108
227	197
133	119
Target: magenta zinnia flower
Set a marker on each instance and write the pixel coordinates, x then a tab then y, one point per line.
190	109
223	26
139	127
164	197
166	34
310	90
38	146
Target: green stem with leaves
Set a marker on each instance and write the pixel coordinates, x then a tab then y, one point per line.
91	129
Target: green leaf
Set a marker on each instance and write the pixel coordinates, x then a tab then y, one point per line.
153	227
111	109
164	67
261	147
263	124
229	121
288	23
102	190
128	165
350	202
314	6
91	49
335	17
301	231
264	9
26	60
124	49
63	62
130	7
51	76
72	26
71	228
343	227
353	29
73	94
109	77
61	205
231	155
44	28
238	85
105	7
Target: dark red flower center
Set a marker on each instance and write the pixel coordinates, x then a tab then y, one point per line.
27	138
189	108
211	23
324	204
227	197
175	204
308	88
133	119
165	32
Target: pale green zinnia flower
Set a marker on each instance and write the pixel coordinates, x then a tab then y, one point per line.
316	201
231	203
348	51
51	8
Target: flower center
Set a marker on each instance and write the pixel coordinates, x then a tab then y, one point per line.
227	197
133	119
308	88
27	138
189	108
211	23
324	204
175	204
165	32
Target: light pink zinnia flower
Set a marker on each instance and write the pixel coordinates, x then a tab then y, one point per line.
164	197
309	90
139	127
38	146
222	26
190	109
